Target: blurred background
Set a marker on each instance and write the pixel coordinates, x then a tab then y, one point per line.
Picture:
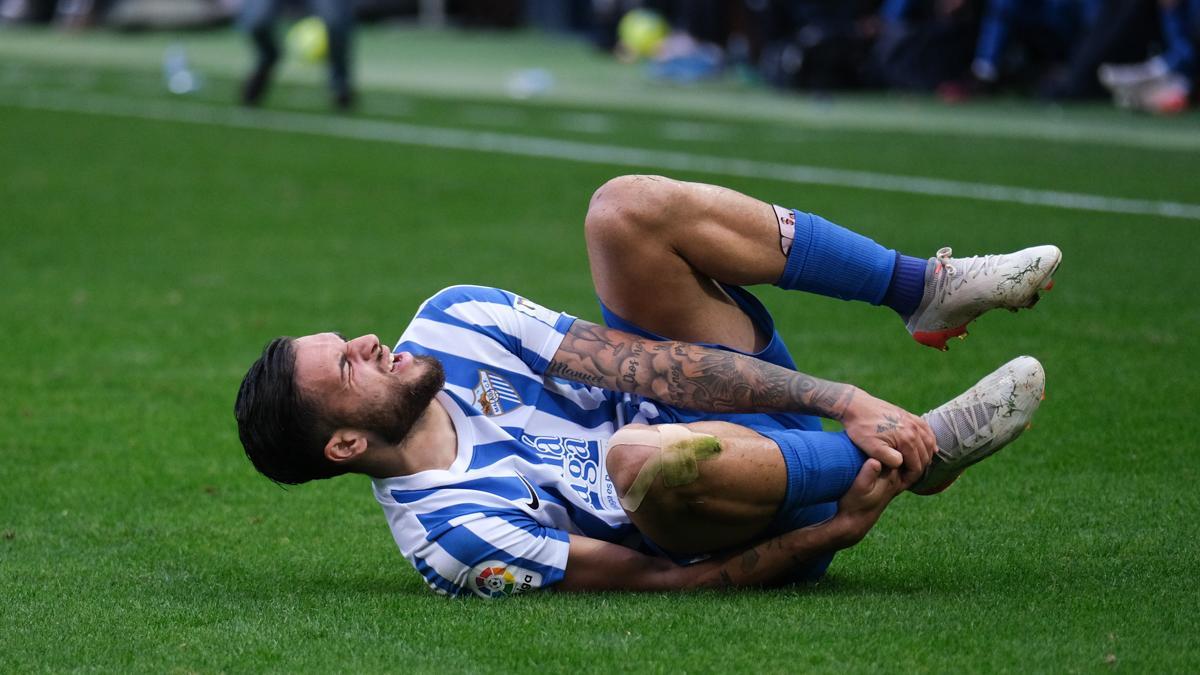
1138	54
181	180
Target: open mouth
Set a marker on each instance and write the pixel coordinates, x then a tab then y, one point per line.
397	359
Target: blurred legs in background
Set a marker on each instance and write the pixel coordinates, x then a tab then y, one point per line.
1120	32
258	19
921	45
1046	30
1162	84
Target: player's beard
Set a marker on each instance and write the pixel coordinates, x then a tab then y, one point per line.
395	417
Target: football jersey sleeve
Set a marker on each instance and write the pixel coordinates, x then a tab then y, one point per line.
524	328
493	555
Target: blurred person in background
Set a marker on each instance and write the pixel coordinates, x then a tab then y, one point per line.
1119	33
258	18
814	44
696	46
922	43
1162	84
69	13
684	40
33	11
1047	30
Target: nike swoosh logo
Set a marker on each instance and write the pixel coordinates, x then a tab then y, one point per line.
534	502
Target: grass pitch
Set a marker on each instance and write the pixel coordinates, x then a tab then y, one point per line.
144	263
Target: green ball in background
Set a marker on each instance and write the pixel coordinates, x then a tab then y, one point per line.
309	39
641	32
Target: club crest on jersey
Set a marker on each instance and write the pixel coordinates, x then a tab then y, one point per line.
495	579
495	395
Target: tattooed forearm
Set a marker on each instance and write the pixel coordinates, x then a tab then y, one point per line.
774	560
749	561
560	369
691	376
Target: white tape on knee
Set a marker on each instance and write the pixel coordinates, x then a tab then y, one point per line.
679	451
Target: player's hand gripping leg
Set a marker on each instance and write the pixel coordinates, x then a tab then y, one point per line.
890	434
873	489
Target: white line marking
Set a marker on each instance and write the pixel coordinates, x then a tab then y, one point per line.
493	115
682	130
586	123
590	153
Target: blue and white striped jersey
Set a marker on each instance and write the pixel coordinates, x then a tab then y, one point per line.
531	450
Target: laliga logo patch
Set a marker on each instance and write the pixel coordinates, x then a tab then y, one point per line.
495	395
495	579
495	582
535	310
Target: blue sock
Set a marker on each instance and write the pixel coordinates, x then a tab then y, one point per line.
908	285
821	466
830	260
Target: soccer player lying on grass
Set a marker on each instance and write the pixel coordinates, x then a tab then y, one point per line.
514	448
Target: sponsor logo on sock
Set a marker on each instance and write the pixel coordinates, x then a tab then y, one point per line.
787	228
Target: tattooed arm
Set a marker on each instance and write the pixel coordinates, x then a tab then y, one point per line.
714	380
691	376
594	565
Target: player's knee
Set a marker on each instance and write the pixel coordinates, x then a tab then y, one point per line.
659	464
627	189
626	210
626	459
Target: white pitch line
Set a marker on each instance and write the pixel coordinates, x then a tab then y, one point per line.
590	153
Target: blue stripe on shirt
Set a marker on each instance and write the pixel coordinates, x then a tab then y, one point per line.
438	308
464	372
469	549
438	315
436	521
490	453
432	576
589	524
511	488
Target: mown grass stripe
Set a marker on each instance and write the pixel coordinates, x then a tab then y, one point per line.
592	153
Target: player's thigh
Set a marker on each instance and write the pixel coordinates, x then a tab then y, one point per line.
640	275
729	499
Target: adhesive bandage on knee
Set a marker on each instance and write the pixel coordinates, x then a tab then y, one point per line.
679	450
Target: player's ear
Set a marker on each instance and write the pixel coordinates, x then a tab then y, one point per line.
344	445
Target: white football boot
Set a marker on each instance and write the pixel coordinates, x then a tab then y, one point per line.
981	420
1131	76
957	290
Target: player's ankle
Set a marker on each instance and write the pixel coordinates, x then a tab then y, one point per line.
907	286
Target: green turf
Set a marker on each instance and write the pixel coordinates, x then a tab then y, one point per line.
144	264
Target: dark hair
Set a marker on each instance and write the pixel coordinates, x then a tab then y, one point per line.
283	433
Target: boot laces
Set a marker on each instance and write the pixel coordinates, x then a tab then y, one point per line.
959	427
962	270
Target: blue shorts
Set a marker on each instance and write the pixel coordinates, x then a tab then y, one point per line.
767	424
